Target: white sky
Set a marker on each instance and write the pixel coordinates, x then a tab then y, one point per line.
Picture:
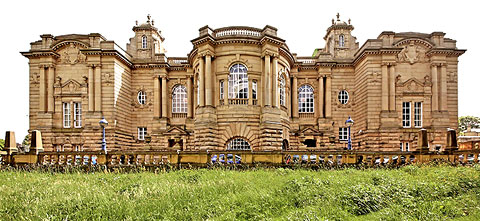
301	23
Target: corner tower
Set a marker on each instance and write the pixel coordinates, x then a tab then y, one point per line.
339	40
147	41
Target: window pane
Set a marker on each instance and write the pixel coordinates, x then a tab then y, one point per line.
305	99
406	112
238	82
66	115
179	99
238	144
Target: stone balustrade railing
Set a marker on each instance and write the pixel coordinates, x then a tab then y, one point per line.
237	31
153	158
306	60
177	61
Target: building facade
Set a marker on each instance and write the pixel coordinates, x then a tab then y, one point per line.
241	88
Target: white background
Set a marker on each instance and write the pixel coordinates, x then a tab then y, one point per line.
301	23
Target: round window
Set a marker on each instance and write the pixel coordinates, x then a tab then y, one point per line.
343	97
141	97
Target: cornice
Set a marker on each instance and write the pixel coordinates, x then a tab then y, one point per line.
35	54
69	41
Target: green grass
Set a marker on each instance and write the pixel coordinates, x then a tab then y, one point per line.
408	193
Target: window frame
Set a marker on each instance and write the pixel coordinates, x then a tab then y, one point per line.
418	114
282	93
341	41
179	99
343	133
238	82
407	114
238	144
77	114
222	92
67	115
141	133
343	97
254	90
144	42
142	97
306	92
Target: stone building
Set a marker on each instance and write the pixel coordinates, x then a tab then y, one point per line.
241	88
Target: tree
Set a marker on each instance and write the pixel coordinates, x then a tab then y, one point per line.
26	140
465	121
2	144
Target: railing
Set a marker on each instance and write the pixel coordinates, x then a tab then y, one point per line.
306	115
179	115
177	61
238	101
306	60
255	102
237	31
155	158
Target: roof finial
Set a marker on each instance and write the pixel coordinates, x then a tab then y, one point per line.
349	20
136	22
333	21
153	22
338	16
148	17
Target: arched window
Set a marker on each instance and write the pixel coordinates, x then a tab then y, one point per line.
179	99
198	91
282	90
238	144
238	82
341	41
305	99
142	97
144	41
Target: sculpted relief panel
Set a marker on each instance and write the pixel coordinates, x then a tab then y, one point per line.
412	53
71	55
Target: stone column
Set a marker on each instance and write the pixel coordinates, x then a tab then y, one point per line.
443	87
51	81
434	87
164	96
320	97
392	88
98	88
328	97
189	97
201	77
156	96
295	97
91	94
266	90
275	82
41	96
384	87
208	81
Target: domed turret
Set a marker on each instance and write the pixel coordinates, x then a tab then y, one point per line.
148	40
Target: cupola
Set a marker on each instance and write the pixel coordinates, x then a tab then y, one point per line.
339	40
148	40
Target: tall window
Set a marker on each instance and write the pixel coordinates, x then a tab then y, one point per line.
305	99
179	99
142	97
198	92
254	90
282	90
77	118
341	41
144	41
406	114
221	90
238	82
66	115
238	144
343	133
417	114
142	132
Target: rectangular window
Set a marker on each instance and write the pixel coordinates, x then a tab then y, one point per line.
77	118
406	114
343	133
254	90
221	90
405	146
142	132
66	115
418	114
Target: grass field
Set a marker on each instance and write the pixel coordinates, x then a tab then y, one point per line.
408	193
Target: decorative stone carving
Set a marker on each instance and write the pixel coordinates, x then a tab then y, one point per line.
452	77
107	78
412	53
72	55
411	86
35	78
58	81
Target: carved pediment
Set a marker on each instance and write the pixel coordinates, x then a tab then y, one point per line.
310	131
412	52
68	87
175	130
412	85
70	53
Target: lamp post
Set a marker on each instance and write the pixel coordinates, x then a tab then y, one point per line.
349	123
103	123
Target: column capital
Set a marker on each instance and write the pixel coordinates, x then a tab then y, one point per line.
207	53
93	65
389	63
163	76
269	53
156	76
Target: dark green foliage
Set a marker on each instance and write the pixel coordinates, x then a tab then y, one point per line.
408	193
